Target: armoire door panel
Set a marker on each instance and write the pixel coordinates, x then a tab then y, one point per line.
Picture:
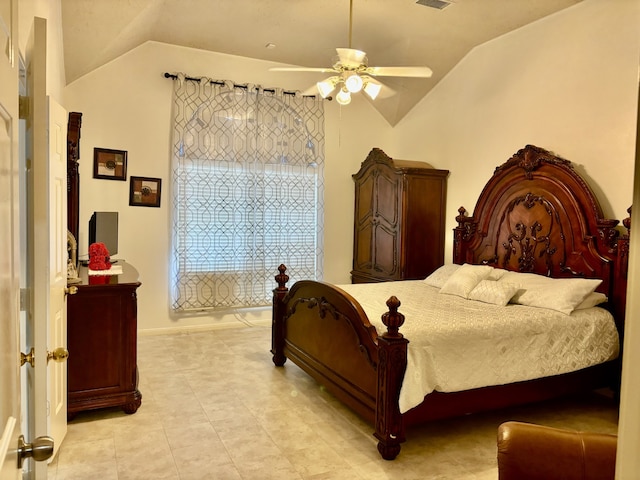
386	195
365	192
362	255
385	251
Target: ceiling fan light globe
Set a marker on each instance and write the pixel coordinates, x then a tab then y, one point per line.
343	97
353	83
372	89
325	88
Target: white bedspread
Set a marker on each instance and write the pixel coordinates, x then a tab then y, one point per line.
457	344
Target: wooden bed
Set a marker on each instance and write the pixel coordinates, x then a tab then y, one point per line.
535	214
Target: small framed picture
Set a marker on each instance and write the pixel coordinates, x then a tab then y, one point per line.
109	164
145	191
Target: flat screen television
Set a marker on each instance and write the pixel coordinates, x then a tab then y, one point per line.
103	228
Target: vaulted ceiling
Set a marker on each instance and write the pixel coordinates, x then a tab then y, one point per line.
303	32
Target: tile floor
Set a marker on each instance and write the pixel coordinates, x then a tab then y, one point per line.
215	407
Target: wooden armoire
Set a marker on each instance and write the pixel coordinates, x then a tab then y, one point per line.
399	219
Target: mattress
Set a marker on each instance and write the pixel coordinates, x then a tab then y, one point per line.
458	344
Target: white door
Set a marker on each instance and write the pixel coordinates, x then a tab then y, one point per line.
47	252
10	424
56	322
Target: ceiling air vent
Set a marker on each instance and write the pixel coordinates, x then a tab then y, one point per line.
439	4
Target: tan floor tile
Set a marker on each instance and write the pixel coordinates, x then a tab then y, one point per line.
152	465
204	461
193	435
81	454
243	448
101	470
269	467
131	439
316	459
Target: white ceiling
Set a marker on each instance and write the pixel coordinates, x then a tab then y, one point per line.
304	32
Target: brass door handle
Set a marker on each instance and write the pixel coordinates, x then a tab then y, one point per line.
60	354
40	449
72	290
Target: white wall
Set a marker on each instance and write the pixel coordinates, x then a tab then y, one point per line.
127	105
51	11
567	83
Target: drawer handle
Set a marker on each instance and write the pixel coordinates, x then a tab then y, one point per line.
60	354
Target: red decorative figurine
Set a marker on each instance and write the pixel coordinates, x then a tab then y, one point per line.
99	257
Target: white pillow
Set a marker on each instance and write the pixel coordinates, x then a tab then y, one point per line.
525	281
441	275
491	291
464	279
593	299
561	294
496	274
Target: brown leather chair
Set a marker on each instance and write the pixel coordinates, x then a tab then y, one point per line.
536	452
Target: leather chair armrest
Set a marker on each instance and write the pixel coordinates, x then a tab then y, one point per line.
536	452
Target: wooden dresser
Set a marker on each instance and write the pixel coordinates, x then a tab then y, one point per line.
102	342
399	219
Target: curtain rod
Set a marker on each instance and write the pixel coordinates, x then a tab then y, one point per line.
235	85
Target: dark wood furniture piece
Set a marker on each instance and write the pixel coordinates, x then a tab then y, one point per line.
536	214
73	176
399	219
102	342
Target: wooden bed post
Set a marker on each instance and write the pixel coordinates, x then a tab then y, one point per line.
462	233
277	320
621	270
392	363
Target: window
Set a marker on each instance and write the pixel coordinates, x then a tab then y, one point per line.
247	195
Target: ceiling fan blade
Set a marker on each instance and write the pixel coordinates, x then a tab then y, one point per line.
423	72
303	69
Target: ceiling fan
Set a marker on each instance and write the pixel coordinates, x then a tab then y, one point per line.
352	73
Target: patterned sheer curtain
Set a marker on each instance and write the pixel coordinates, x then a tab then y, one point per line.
247	191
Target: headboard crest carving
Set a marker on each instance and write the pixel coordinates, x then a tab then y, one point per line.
530	158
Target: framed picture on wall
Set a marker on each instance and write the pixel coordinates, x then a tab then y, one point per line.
109	164
145	191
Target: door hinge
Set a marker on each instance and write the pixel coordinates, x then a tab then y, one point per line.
23	107
25	299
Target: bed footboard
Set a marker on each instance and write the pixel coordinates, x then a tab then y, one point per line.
324	331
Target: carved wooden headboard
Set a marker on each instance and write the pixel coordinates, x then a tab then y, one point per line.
536	214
